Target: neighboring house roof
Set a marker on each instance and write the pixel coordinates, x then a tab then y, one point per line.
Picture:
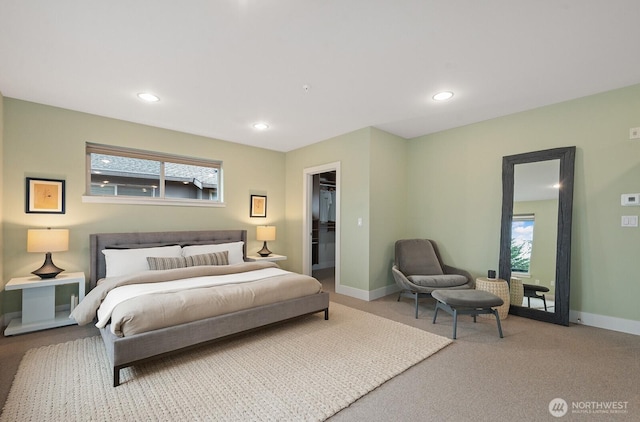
136	167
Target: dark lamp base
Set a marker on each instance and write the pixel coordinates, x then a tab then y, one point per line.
264	251
48	269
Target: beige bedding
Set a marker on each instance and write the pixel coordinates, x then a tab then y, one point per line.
154	311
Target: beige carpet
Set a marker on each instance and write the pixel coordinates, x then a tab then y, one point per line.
304	370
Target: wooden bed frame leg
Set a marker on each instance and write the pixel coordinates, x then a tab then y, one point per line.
326	314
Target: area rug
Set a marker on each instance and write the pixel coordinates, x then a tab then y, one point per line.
306	369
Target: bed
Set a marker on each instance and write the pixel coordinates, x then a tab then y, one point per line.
126	349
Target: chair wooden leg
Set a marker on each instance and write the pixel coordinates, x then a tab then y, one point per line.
417	305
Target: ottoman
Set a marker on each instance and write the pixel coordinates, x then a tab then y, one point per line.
466	302
532	290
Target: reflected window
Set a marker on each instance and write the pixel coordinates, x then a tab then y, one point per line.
521	243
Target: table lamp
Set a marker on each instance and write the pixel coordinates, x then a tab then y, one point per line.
47	240
265	233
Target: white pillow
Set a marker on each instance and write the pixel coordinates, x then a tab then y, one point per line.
126	261
235	250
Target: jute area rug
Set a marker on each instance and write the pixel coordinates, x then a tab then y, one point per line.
304	370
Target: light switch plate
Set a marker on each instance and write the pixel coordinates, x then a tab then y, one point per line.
629	221
634	133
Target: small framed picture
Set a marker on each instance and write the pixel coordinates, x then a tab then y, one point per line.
258	207
45	196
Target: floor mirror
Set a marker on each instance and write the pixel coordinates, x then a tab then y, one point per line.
535	238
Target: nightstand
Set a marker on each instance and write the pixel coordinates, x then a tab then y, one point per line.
273	257
39	302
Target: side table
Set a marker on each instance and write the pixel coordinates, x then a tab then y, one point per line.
517	291
498	287
39	302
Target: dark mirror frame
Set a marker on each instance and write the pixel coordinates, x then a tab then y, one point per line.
566	156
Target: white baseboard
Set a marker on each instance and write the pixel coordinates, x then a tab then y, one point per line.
352	292
367	295
383	291
602	321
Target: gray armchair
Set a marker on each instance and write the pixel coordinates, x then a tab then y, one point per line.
418	270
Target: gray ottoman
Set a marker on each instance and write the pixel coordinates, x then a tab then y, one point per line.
466	302
531	290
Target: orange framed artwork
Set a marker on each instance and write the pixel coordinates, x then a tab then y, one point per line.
45	196
258	206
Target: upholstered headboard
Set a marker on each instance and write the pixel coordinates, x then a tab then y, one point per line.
101	241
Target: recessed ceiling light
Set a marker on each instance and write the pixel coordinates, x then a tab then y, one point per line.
146	96
261	126
443	96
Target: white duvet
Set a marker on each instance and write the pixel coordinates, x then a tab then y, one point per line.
124	293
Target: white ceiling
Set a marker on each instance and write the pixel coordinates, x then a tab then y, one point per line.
219	66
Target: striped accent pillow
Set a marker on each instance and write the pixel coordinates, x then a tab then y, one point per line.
166	263
170	263
214	258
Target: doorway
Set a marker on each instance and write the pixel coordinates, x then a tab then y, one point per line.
321	224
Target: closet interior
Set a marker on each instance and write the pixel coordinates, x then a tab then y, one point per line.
323	236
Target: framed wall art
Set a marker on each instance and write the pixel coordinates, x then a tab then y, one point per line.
258	206
44	196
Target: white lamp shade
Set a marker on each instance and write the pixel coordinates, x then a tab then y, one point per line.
266	233
47	240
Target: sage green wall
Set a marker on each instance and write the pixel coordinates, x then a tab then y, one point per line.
43	141
455	192
352	151
388	192
2	283
373	187
542	268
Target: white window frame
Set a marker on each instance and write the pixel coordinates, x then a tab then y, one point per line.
154	156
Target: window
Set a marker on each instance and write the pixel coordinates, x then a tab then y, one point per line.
521	243
132	176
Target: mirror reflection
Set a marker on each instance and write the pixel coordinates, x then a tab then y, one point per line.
533	234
